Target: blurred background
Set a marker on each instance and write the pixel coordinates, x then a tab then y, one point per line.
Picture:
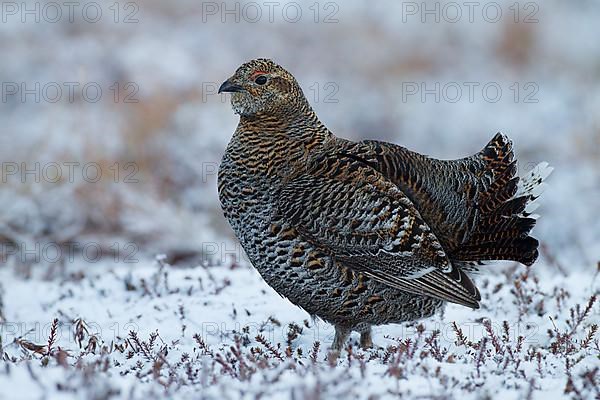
112	130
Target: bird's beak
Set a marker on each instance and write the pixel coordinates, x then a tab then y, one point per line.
227	86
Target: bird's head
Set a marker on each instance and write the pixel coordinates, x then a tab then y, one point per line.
261	86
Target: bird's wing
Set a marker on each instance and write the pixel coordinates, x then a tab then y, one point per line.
368	224
477	206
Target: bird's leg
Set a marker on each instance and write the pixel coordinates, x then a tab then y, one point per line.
366	341
341	335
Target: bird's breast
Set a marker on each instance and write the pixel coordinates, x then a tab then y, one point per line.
247	195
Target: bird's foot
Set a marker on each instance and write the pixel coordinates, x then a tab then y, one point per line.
366	340
339	341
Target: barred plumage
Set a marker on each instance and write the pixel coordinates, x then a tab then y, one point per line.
363	233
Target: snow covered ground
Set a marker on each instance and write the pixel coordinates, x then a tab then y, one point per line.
86	309
154	331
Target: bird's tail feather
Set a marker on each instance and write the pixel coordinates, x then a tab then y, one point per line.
505	216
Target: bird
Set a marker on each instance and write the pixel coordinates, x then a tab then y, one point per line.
364	233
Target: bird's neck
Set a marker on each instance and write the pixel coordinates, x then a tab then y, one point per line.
270	144
296	126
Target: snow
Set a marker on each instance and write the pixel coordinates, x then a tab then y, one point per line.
171	138
227	307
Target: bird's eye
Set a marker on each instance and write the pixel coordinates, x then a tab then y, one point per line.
261	79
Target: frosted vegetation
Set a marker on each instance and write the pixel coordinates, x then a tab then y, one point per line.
93	188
